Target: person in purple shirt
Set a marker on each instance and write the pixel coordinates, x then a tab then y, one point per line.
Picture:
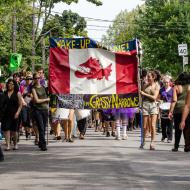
166	94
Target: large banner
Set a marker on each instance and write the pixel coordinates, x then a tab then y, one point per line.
82	66
96	101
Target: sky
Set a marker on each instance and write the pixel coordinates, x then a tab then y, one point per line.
107	12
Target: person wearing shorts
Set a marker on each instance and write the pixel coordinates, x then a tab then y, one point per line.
150	109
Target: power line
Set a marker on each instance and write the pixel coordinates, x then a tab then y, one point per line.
111	21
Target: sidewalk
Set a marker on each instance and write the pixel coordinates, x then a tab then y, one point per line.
96	163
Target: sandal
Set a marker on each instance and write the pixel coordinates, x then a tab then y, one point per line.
70	140
36	142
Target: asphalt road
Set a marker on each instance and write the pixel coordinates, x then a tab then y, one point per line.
96	163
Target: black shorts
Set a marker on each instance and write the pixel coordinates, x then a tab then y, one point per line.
108	117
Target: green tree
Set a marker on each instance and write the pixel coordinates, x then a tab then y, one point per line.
122	29
75	25
162	25
45	9
67	25
24	13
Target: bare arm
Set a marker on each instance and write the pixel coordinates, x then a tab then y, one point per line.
20	105
174	100
36	99
185	111
154	96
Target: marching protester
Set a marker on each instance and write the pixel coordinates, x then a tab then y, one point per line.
185	122
166	93
12	106
81	116
150	94
43	81
40	108
64	117
60	120
178	102
108	120
131	117
2	96
25	89
68	126
121	120
96	115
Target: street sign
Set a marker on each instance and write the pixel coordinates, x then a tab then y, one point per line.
185	60
182	49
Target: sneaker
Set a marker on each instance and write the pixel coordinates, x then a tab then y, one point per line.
44	149
174	149
125	137
163	139
7	149
117	138
142	146
15	147
113	134
186	150
108	134
169	141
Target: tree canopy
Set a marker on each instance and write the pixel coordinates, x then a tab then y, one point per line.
24	11
160	25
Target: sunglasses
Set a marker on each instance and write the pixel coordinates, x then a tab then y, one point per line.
37	78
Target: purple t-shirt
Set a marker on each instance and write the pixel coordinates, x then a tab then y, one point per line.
166	96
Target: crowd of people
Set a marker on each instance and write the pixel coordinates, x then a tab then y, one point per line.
24	108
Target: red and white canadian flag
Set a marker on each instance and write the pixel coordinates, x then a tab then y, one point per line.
91	71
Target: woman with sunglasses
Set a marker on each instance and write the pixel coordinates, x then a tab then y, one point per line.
25	89
12	107
40	108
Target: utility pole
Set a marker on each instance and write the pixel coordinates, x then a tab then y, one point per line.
33	37
14	27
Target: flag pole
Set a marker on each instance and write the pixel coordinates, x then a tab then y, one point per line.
49	33
48	125
140	84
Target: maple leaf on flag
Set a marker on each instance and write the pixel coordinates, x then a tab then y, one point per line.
92	69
